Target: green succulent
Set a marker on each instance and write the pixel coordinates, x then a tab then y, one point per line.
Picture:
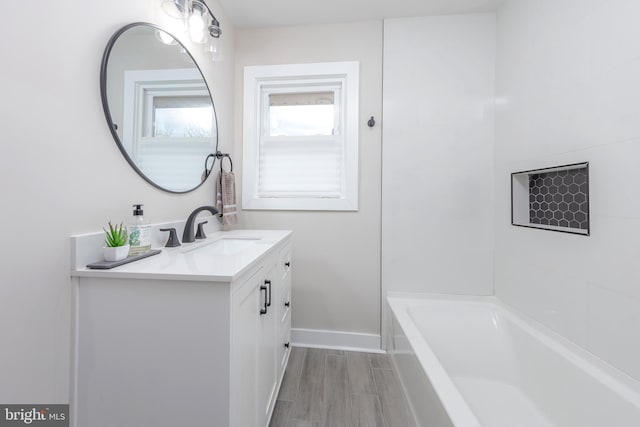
116	236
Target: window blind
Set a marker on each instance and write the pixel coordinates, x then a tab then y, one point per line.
171	162
300	168
181	101
305	98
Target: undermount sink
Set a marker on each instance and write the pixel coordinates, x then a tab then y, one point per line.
225	246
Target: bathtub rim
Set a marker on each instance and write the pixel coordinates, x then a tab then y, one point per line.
454	403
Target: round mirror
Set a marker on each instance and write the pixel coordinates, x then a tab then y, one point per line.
158	107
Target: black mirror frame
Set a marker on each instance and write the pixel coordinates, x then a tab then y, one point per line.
107	111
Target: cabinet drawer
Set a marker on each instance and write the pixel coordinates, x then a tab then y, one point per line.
285	306
284	257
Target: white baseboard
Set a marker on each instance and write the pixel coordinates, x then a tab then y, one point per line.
336	340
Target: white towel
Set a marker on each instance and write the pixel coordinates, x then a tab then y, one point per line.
226	197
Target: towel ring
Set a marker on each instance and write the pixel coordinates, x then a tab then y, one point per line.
230	162
217	155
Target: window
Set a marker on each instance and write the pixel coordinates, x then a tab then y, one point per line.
301	137
168	124
180	116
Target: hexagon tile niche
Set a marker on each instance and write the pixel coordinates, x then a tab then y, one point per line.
554	199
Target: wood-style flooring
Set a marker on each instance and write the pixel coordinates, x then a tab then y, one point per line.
332	388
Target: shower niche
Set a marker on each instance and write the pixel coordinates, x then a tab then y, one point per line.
555	198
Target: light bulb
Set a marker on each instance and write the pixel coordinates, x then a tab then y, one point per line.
198	22
196	32
165	38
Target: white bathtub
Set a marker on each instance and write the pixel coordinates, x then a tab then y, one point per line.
471	361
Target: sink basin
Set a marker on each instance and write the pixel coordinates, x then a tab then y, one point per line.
225	246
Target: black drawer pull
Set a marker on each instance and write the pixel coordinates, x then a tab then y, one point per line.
264	310
286	345
287	304
287	264
268	282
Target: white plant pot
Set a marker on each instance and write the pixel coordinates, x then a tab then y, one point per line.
115	254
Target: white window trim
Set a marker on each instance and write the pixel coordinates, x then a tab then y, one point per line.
257	76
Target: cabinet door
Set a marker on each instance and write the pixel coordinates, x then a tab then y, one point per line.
267	364
248	300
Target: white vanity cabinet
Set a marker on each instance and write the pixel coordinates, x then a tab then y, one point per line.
261	341
182	350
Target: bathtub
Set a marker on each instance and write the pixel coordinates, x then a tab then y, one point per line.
471	361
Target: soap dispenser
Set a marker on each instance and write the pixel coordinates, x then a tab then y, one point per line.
139	232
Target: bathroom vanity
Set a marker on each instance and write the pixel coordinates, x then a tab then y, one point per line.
195	336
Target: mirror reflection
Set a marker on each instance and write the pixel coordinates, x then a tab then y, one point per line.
158	107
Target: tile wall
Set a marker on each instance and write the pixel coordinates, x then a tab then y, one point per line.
568	91
560	198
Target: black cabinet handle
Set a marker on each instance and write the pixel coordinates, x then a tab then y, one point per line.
268	282
287	304
264	310
287	264
286	345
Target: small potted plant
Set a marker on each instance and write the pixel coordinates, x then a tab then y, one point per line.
117	243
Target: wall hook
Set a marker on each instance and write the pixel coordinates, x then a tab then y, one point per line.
371	123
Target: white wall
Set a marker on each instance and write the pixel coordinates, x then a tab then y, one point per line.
437	200
336	255
568	87
62	174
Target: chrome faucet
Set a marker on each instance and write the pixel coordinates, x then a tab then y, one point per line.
188	235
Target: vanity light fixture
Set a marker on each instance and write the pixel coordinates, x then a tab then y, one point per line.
197	19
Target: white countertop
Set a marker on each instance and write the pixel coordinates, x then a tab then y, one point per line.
202	260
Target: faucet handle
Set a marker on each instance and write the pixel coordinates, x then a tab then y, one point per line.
200	233
173	241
